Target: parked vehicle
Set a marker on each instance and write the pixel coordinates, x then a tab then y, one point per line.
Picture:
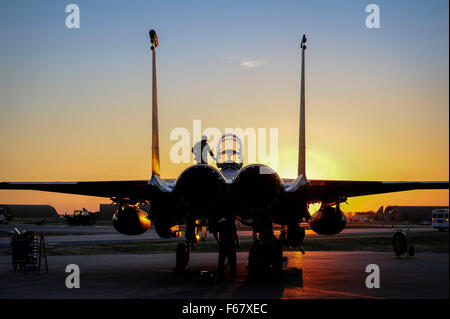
82	217
5	215
439	218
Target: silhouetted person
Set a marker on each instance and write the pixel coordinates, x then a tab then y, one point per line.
201	150
228	240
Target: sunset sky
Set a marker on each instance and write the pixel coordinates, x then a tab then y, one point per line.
75	104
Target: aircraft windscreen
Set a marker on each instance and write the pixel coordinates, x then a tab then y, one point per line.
229	152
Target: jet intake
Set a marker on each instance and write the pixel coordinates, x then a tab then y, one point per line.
200	186
328	220
256	187
129	220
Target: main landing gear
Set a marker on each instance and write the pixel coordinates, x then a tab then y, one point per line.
184	249
266	253
264	258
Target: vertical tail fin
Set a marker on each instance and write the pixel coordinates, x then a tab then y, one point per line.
302	142
155	134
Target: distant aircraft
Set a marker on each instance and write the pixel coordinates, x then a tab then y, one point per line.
202	194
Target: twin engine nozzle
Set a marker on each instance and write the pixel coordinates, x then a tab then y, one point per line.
254	187
257	187
200	186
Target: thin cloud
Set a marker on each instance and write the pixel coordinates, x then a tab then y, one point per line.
248	64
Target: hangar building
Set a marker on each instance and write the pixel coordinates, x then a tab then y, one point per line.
39	211
412	214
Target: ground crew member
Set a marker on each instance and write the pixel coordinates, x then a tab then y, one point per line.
228	240
201	150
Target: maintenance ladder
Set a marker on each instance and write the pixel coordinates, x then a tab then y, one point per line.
27	251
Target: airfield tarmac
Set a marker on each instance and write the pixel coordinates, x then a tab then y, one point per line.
107	234
325	275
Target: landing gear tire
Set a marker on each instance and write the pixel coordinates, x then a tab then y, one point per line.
182	258
262	260
399	243
276	256
256	261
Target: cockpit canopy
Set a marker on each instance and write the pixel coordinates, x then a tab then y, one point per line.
229	152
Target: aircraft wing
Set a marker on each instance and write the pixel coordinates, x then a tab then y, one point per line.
142	189
330	190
